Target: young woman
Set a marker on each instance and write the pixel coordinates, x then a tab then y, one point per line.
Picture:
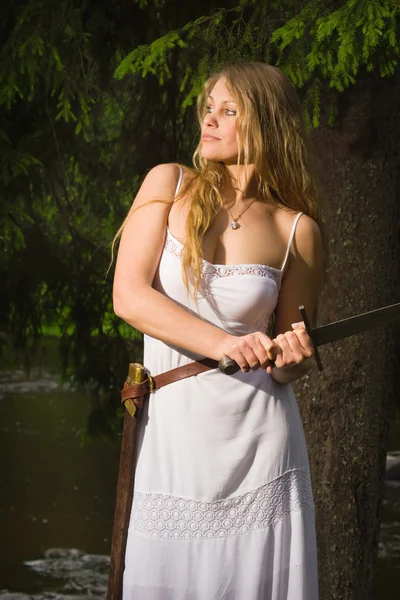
223	507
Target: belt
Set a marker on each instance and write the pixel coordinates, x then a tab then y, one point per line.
138	384
137	391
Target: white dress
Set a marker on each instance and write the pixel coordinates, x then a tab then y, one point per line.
223	506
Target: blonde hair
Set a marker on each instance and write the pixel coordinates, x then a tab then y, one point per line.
271	135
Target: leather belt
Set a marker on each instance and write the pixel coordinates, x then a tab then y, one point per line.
137	391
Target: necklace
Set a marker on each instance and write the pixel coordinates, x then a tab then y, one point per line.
234	223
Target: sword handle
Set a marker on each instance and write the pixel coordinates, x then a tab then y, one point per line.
310	333
228	366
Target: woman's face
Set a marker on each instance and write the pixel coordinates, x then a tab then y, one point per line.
219	135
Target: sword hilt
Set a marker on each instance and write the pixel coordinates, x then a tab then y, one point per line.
136	374
228	366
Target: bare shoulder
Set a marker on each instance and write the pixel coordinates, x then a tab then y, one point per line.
143	233
303	279
160	182
307	260
307	237
307	241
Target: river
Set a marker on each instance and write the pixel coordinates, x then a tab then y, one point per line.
57	497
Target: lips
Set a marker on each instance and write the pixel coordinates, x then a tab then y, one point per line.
209	138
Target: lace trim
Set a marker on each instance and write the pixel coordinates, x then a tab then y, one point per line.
171	517
172	247
210	271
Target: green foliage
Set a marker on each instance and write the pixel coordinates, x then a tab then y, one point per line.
152	58
335	45
75	142
322	44
68	171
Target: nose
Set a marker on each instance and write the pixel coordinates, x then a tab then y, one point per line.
210	120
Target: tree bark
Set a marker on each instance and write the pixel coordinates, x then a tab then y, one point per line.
346	409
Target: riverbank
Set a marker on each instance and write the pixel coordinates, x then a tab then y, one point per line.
57	496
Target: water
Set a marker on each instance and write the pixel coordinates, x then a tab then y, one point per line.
54	493
57	498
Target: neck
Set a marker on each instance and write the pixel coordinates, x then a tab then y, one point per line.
239	183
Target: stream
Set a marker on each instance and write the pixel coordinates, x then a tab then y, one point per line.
57	497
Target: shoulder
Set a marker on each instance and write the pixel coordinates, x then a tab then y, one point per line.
307	239
163	179
160	183
306	248
164	176
306	232
307	261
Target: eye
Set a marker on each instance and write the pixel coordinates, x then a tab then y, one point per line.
230	112
209	108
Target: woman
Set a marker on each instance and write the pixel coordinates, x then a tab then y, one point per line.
223	505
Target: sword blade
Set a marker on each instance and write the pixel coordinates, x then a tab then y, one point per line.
353	325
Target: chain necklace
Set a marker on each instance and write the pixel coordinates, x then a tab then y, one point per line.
234	223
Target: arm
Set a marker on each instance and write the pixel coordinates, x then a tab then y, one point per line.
142	241
301	285
143	307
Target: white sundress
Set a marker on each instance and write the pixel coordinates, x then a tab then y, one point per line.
223	506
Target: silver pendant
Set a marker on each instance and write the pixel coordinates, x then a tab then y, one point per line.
235	225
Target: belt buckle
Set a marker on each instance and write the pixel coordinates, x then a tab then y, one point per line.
152	384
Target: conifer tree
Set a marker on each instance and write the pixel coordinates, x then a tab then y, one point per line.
75	142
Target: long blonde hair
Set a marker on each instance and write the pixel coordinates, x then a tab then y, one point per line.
271	135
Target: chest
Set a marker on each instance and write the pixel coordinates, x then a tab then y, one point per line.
260	237
240	298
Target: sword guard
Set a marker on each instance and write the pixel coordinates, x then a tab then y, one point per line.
310	333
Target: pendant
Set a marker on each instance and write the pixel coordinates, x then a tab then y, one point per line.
235	225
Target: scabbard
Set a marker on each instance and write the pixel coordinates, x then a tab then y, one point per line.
137	386
124	496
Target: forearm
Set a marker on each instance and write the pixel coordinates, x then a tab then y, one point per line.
152	313
289	374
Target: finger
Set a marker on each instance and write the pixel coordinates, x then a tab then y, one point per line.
291	350
270	366
282	359
235	353
271	347
305	341
296	349
248	358
252	358
297	325
261	353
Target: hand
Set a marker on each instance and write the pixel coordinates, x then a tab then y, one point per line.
252	351
296	347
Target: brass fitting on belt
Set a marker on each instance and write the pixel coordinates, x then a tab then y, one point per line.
152	385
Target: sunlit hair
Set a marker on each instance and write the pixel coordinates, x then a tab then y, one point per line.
271	135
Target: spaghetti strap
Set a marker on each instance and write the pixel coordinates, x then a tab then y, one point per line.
291	240
178	185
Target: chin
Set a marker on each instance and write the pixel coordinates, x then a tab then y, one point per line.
216	157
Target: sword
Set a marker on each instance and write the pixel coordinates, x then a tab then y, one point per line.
331	332
319	336
125	486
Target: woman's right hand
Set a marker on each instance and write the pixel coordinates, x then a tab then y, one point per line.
252	351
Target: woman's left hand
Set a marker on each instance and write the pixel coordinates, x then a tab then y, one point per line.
296	346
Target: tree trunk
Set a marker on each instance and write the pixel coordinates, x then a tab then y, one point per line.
346	409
